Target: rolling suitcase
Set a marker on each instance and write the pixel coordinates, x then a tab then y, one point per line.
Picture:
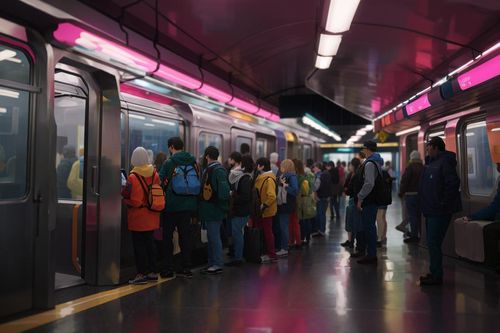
254	244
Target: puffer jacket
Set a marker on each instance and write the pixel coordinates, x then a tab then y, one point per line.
265	183
410	180
439	189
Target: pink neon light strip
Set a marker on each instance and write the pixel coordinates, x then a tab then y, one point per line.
263	113
274	117
480	74
138	92
418	105
215	93
245	106
177	77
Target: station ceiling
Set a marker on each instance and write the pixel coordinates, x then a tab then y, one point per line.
394	48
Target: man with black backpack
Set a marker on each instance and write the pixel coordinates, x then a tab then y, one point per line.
179	176
371	193
214	205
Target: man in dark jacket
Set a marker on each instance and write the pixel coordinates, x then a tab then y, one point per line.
177	212
408	190
439	195
323	190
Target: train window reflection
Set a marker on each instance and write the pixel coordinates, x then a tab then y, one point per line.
481	171
307	152
151	133
206	139
14	65
261	147
243	145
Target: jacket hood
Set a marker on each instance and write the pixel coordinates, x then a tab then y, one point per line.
449	156
183	158
267	174
235	175
377	158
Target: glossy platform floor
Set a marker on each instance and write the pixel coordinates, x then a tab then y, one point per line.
315	290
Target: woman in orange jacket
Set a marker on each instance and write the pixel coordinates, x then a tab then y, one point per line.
142	221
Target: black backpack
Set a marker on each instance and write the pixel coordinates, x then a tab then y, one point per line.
383	187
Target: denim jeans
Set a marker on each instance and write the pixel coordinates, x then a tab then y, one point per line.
334	206
305	229
284	220
321	206
414	214
436	231
369	217
237	225
181	220
214	243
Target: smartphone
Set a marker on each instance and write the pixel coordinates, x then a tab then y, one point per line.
123	177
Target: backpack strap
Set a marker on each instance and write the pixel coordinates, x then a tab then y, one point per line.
144	184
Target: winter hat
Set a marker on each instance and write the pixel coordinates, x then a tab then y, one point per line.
415	155
139	157
273	158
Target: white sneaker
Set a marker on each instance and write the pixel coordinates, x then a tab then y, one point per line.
282	253
265	259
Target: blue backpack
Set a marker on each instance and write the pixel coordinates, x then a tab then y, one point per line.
185	180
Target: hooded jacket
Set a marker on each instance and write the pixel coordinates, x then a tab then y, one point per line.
410	180
369	173
216	210
241	187
265	183
439	189
175	203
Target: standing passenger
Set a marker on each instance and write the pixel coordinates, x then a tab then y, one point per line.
351	223
141	220
439	195
322	190
409	190
265	184
336	189
287	202
179	207
214	205
273	159
367	199
240	180
306	207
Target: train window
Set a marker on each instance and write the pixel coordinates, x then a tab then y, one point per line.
14	65
206	139
14	123
481	171
243	145
307	152
69	113
261	147
151	133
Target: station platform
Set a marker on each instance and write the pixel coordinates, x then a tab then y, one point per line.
318	289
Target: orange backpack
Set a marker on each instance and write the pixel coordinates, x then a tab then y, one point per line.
155	197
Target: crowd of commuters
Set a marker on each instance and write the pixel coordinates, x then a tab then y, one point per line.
288	200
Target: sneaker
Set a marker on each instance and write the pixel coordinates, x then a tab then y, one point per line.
234	263
265	259
368	260
167	274
152	277
430	280
321	233
411	240
347	243
282	253
185	273
139	279
401	227
315	234
212	270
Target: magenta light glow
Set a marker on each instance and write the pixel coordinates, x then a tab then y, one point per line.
418	105
72	35
131	90
480	74
215	93
177	77
245	106
274	117
264	114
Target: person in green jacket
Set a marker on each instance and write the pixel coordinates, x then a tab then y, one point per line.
214	205
178	210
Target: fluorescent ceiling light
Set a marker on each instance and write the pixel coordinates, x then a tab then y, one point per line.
469	134
323	62
3	110
480	124
149	125
170	123
329	44
9	93
6	54
340	15
136	116
17	61
440	134
369	127
361	132
409	130
496	129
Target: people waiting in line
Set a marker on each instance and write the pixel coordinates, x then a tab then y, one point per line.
439	194
322	189
266	186
181	204
214	204
288	190
142	220
409	191
240	181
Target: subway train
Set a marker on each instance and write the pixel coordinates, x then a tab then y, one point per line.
69	120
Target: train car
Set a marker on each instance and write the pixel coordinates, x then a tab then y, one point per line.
69	120
464	110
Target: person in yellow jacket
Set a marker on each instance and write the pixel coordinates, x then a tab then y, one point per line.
265	183
75	178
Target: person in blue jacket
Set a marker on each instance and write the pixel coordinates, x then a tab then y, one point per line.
492	211
439	195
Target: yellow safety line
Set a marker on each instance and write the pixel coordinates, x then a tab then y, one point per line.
72	307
